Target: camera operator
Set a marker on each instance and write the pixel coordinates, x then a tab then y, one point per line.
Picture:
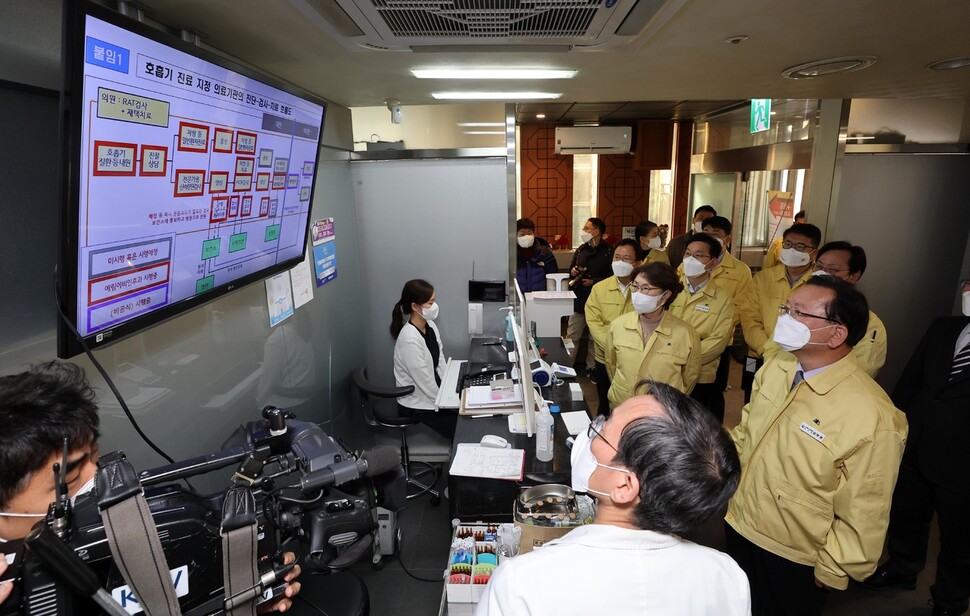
38	410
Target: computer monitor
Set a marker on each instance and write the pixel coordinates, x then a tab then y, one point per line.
520	332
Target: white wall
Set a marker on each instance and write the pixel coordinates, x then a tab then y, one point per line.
431	126
925	120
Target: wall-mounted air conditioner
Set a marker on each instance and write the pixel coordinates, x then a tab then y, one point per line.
593	139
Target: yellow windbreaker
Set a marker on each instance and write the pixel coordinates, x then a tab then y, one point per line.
656	255
710	312
605	303
734	277
759	312
818	467
672	355
870	352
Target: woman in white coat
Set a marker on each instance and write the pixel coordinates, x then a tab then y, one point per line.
419	358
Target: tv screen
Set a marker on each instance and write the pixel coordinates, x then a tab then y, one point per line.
187	176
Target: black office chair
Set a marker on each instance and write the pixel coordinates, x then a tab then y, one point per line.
379	406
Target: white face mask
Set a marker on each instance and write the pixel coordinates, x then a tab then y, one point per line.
84	489
645	304
654	243
585	236
794	258
622	269
966	304
526	241
719	240
699	227
430	313
791	334
693	267
584	463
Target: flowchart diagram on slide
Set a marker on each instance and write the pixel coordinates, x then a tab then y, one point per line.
190	177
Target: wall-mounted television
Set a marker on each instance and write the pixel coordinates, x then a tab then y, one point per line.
185	176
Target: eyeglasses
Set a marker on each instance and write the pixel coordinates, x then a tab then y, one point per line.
834	271
799	246
793	312
625	259
596	429
702	258
643	289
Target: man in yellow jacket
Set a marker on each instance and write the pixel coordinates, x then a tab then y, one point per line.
820	446
848	262
609	299
770	288
710	311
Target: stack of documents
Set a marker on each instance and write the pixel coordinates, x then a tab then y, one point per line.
472	460
485	399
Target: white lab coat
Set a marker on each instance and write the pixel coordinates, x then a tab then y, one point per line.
413	366
603	569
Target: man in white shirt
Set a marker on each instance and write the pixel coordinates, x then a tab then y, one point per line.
660	466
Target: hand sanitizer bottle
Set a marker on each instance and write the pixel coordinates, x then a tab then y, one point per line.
545	425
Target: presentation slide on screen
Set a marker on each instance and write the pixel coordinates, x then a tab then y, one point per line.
191	176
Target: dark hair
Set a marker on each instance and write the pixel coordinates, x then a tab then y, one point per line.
705	208
807	229
635	245
663	276
687	465
415	291
802	215
857	255
38	410
718	222
643	228
712	243
849	307
598	223
524	223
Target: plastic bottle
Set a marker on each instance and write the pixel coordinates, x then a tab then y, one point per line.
545	425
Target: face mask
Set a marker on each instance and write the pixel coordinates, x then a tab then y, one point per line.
794	258
693	267
966	304
821	273
622	269
584	463
791	334
645	304
84	489
719	240
430	313
654	243
698	227
585	236
526	241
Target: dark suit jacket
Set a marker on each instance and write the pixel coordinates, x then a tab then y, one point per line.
938	409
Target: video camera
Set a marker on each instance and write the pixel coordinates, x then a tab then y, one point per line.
331	509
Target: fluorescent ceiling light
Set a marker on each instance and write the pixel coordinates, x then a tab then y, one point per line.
484	132
496	96
481	124
493	73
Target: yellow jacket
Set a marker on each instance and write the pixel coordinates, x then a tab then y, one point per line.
773	254
818	467
656	255
733	276
870	352
672	355
759	312
605	303
710	312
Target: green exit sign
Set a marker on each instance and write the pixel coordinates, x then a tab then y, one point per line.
760	114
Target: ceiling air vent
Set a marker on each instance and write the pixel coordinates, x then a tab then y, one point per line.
424	25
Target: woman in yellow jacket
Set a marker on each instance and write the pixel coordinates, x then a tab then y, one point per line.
651	343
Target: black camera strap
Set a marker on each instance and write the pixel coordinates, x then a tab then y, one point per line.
132	535
239	542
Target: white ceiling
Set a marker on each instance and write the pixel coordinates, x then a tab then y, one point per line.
685	60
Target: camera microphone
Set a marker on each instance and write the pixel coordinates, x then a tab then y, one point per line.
374	462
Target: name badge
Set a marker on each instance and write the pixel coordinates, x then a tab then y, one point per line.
703	308
812	432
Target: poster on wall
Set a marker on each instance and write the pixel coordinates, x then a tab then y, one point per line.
781	213
302	279
324	250
279	298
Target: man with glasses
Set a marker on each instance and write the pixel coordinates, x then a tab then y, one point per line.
609	299
659	467
710	311
820	445
770	288
934	392
590	264
848	262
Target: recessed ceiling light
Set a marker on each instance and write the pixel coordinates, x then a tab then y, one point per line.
736	40
493	73
945	65
481	124
830	66
496	96
540	116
